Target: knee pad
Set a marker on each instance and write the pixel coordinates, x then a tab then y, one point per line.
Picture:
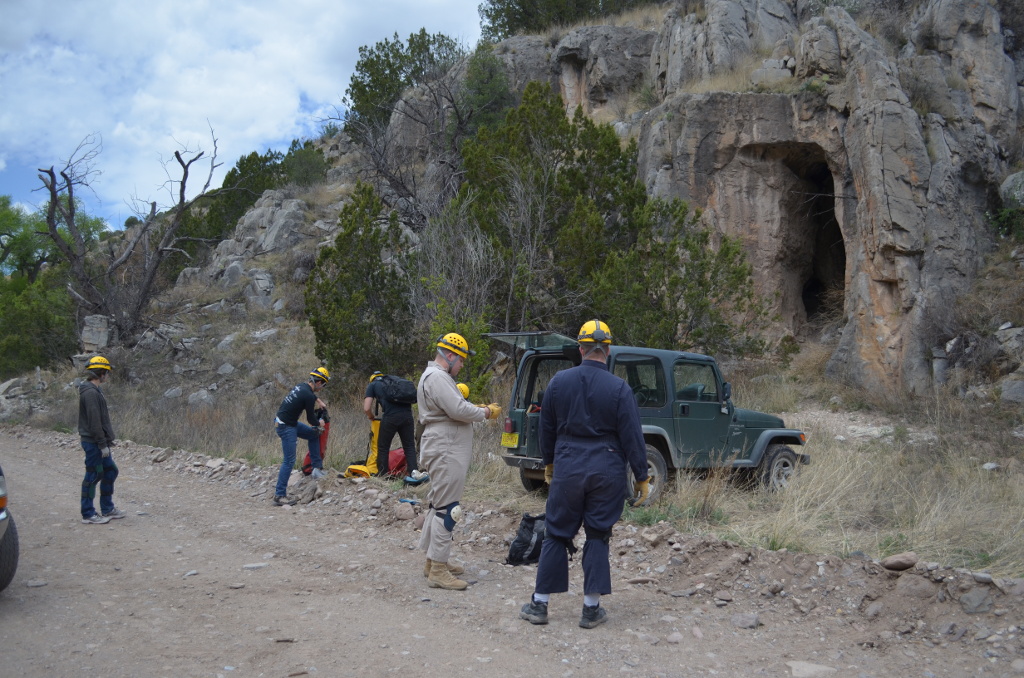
600	535
93	474
452	514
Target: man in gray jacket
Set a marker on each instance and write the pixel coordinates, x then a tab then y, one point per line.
97	438
446	449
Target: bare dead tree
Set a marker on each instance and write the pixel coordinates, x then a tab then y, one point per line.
121	281
416	155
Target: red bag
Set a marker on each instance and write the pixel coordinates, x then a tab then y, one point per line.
307	463
396	462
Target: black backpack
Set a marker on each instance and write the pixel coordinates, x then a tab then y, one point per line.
398	390
525	548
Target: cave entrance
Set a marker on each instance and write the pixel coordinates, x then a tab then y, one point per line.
790	201
824	274
809	266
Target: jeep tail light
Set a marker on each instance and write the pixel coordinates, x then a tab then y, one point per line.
509	426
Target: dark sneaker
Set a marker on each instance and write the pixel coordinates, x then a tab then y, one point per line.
534	612
284	501
593	616
95	519
115	514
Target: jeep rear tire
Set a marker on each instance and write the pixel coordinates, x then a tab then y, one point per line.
777	467
657	472
530	483
8	554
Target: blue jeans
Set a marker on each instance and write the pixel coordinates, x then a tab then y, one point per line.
288	436
101	470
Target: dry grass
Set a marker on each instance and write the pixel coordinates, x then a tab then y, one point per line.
734	80
325	193
646	17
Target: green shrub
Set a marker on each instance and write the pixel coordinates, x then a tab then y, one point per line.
36	323
1009	223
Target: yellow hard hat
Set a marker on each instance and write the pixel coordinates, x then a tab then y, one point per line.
594	332
98	362
376	375
463	389
456	344
321	373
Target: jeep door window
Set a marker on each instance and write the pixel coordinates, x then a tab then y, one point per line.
645	376
540	372
695	383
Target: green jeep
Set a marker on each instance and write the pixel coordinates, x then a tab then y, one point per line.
688	417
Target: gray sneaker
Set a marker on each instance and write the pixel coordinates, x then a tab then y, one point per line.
285	501
115	514
318	474
592	616
534	612
95	519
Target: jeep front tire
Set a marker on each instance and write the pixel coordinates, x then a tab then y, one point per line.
777	467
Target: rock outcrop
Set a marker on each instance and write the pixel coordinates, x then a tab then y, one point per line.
866	181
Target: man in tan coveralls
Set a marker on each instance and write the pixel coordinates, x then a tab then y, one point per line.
446	449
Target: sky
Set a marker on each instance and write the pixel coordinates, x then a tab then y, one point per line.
150	78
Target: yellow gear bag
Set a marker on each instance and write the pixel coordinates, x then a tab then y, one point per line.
370	467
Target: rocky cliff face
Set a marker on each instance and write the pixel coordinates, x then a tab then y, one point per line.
853	169
868	178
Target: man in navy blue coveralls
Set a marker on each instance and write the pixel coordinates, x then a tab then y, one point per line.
589	430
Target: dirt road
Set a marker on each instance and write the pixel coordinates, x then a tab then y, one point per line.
206	578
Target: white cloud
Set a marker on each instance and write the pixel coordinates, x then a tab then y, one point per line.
150	77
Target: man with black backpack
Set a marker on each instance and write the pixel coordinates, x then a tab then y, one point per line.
396	397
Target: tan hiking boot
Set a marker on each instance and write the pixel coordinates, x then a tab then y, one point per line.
452	567
441	578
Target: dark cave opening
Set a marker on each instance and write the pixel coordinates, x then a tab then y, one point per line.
824	270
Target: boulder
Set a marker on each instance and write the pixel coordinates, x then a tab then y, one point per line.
599	66
914	586
188	276
1011	387
95	333
818	51
1012	191
900	561
232	276
201	399
976	601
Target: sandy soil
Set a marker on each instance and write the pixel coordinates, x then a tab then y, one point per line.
206	578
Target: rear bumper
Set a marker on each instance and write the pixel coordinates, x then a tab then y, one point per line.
528	463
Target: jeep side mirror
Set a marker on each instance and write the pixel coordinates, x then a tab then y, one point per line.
726	397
